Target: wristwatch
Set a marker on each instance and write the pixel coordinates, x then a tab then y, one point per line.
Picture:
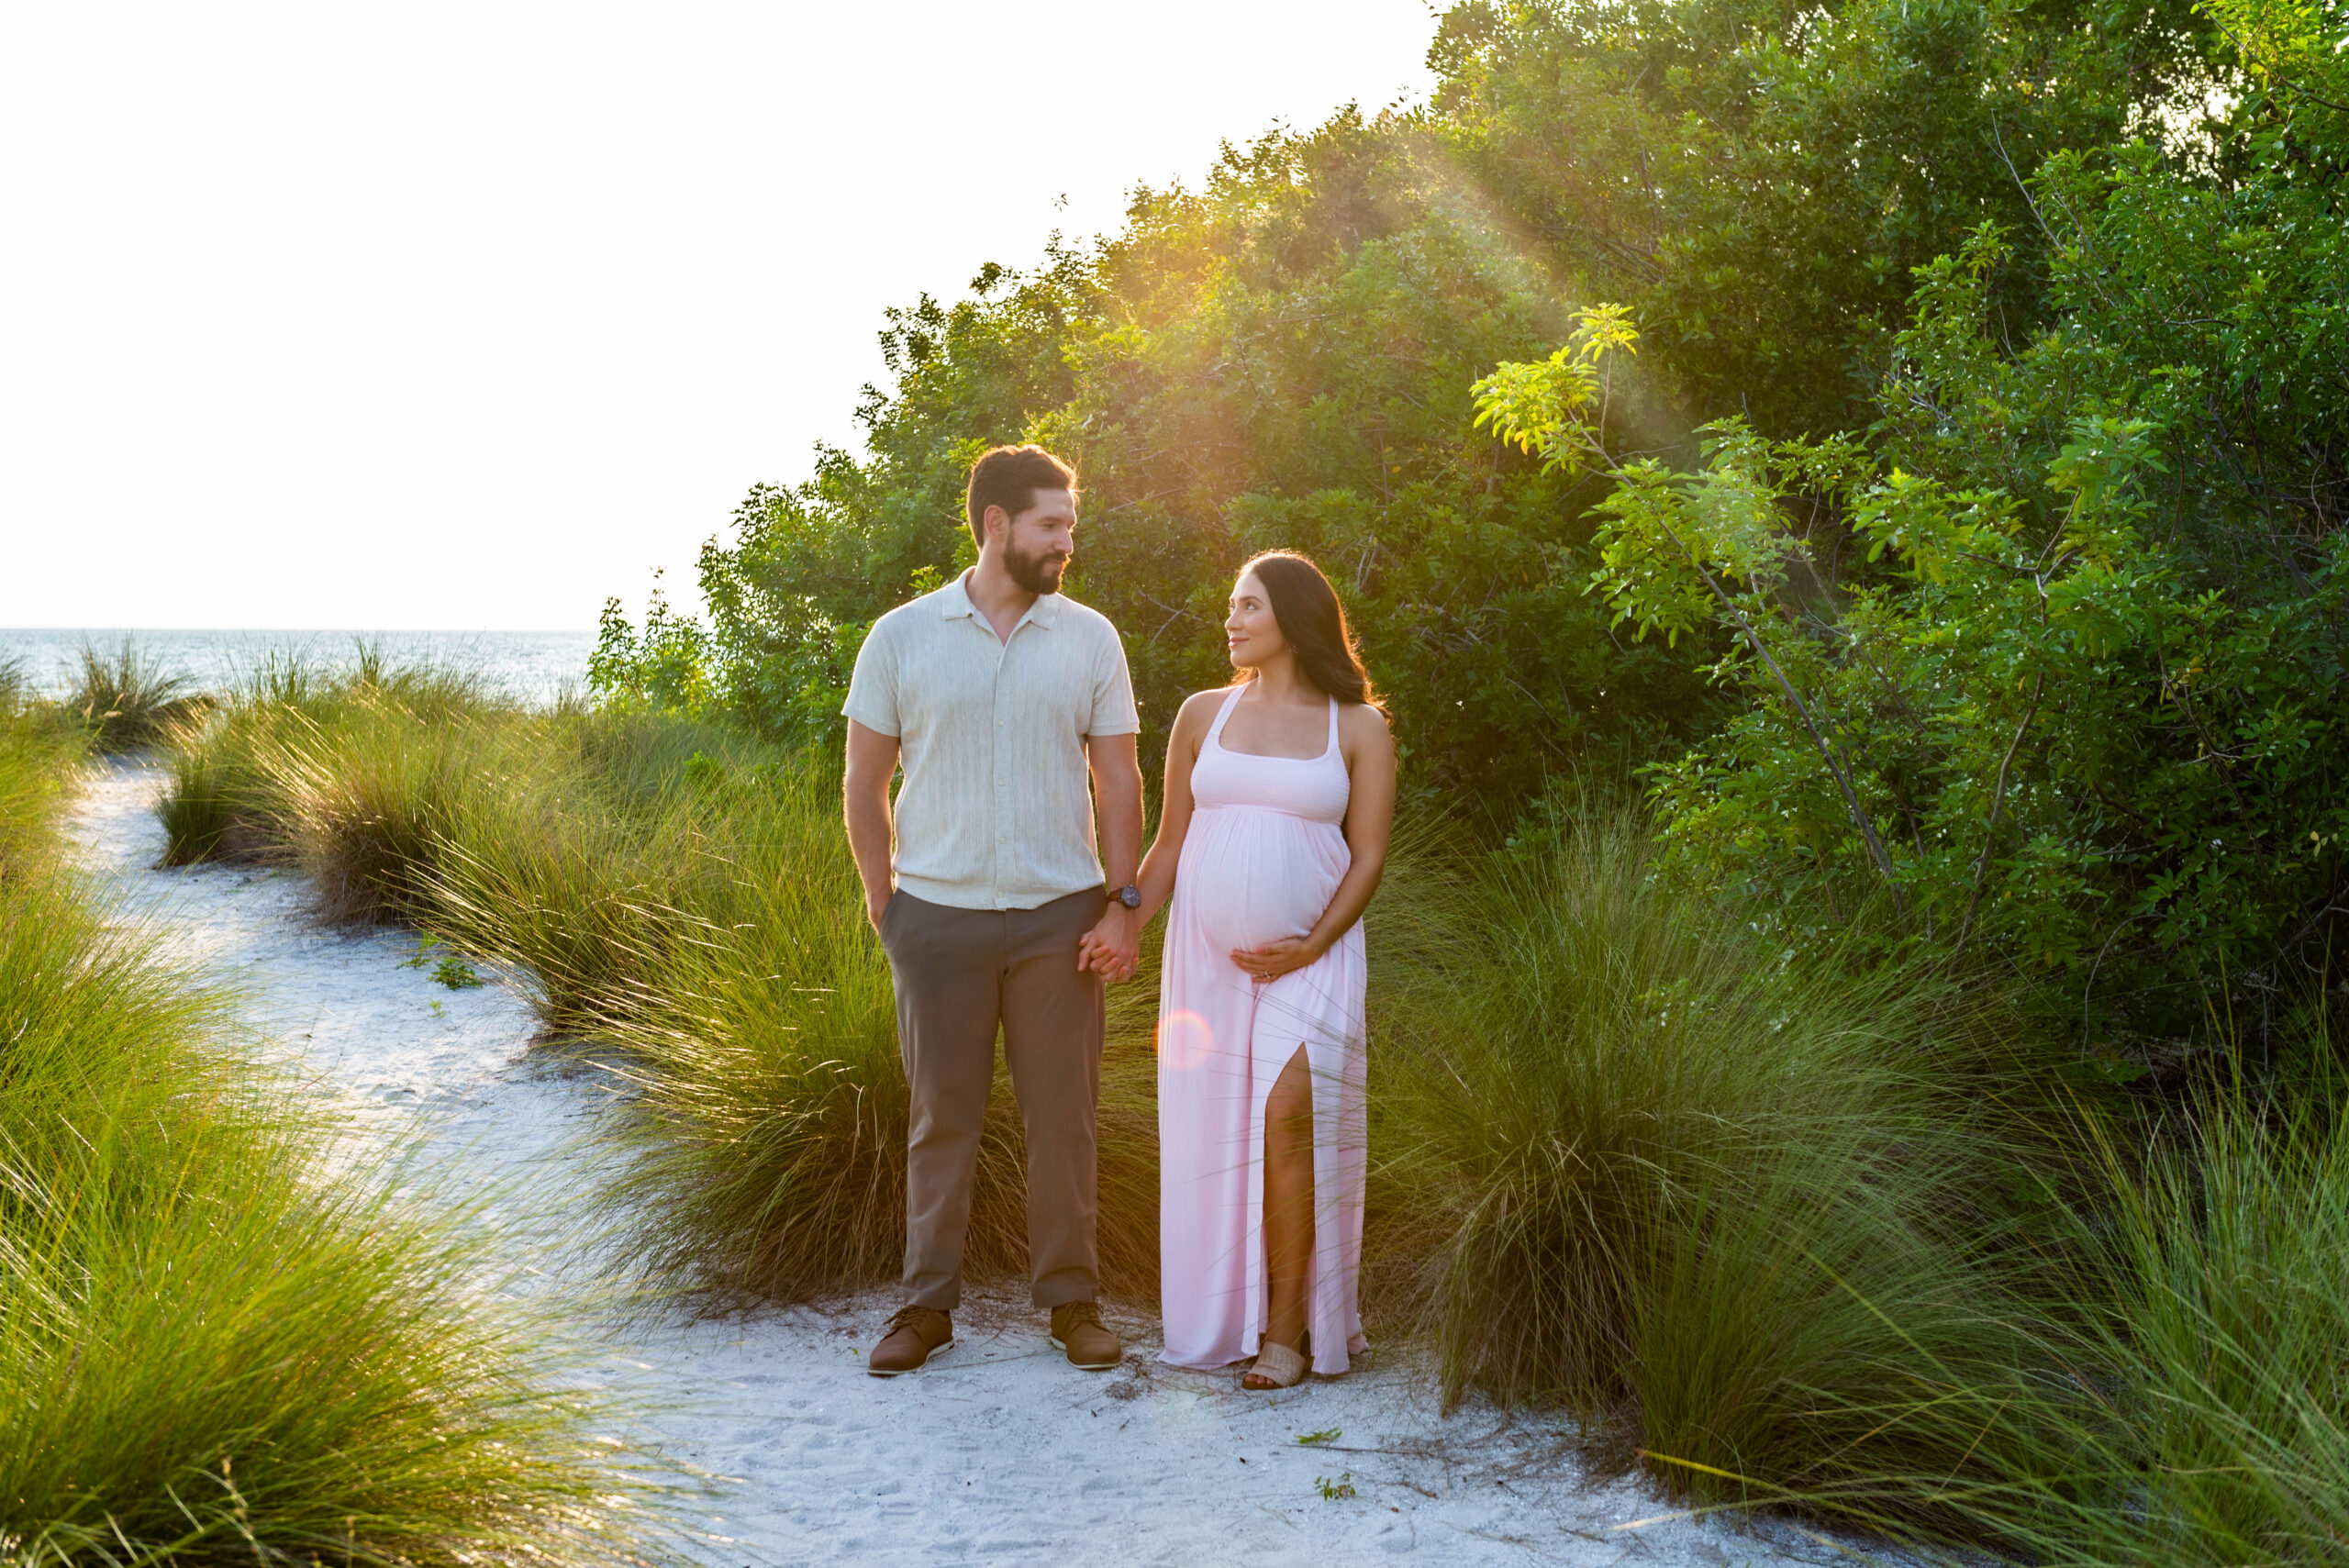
1130	896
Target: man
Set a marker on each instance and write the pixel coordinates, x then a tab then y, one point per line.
997	694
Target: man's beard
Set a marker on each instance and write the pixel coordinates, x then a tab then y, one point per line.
1035	573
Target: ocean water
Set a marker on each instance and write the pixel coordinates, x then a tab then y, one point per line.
531	666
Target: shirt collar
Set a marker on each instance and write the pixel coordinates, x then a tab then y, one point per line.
955	603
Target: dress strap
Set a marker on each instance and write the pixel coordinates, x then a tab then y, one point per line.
1215	732
1332	751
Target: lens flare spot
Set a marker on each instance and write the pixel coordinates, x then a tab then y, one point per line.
1184	1040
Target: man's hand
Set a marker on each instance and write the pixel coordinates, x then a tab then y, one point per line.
864	799
1112	949
1276	958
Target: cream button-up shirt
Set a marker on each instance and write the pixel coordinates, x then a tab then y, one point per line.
995	811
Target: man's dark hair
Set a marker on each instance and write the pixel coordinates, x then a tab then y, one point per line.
1009	477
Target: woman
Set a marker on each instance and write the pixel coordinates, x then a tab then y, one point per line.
1280	795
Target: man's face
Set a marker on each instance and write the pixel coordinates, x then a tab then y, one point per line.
1037	542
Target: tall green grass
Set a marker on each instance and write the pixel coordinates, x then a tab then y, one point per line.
1728	1209
2213	1274
39	746
212	1347
771	1114
699	908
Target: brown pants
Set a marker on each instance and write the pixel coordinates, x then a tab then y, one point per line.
959	974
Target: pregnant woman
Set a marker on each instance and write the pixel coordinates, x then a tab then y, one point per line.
1280	795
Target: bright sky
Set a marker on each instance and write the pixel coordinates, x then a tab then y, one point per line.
468	316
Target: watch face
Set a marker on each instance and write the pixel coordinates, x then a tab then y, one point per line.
1130	897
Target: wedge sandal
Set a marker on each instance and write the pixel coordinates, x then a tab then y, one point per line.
1277	1364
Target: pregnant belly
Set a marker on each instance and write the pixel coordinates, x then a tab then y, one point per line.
1252	876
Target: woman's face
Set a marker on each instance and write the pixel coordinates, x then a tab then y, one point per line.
1250	631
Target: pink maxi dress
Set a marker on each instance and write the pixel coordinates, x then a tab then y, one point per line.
1264	853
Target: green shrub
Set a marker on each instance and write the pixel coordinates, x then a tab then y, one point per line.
2055	657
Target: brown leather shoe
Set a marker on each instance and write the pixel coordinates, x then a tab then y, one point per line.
1079	1330
916	1334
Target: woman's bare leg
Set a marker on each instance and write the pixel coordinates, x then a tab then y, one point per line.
1288	1203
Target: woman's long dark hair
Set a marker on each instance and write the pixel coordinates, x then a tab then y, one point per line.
1313	623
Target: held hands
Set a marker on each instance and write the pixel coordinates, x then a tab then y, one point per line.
1112	949
1276	958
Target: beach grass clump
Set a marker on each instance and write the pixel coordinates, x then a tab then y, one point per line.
2208	1271
199	810
572	900
365	804
355	778
1722	1206
599	854
215	1344
127	698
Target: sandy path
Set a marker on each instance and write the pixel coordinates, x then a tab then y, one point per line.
1000	1453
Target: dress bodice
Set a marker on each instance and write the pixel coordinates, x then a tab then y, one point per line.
1315	788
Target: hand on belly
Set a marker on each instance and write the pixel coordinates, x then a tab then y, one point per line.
1257	896
1276	958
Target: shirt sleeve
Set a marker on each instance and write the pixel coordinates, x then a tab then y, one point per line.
873	688
1113	689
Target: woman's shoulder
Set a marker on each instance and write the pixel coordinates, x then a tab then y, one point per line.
1204	703
1364	726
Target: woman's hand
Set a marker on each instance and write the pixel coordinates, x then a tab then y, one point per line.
1276	958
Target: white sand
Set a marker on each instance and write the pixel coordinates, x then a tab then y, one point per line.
1000	1452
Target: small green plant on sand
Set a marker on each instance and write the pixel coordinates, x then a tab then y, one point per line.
450	969
1326	1434
1332	1491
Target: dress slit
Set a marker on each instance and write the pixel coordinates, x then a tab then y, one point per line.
1331	1318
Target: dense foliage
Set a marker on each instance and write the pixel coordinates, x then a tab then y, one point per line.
1284	355
2056	659
1972	428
